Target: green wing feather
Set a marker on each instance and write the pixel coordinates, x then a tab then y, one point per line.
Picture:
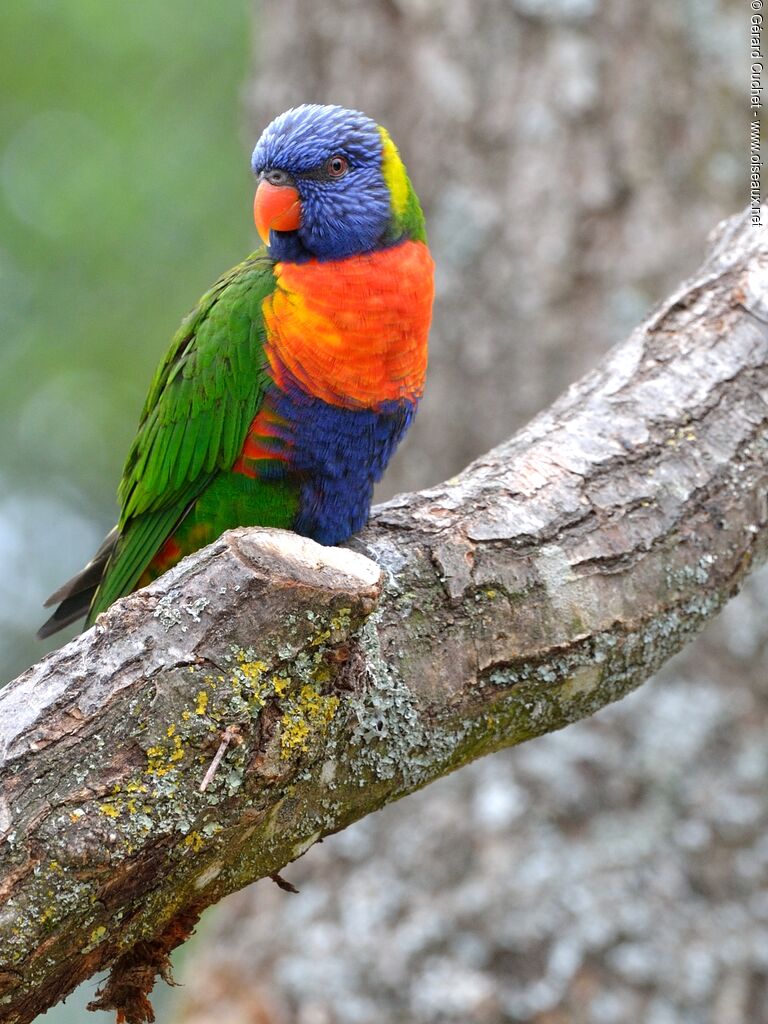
194	422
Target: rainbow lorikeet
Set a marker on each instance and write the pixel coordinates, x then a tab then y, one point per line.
288	387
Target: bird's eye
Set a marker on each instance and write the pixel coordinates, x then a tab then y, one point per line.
337	166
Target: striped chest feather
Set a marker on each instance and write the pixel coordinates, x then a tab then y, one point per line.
352	332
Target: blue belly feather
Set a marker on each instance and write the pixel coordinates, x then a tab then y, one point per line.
338	455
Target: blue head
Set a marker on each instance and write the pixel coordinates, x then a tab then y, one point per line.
332	184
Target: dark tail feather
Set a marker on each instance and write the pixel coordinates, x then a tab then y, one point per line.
70	610
75	596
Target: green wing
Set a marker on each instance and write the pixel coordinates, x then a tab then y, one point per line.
194	422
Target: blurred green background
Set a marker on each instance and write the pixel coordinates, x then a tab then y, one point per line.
125	190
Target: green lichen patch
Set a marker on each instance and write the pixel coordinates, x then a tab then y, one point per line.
390	738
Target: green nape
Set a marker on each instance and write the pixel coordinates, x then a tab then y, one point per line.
407	216
413	217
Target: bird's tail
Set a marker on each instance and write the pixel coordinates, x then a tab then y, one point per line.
75	596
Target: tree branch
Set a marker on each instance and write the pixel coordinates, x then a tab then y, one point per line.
552	576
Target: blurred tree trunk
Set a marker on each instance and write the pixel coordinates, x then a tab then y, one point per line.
571	156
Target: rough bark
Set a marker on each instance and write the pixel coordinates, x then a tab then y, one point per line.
609	873
552	576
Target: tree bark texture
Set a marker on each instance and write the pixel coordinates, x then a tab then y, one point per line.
612	872
548	579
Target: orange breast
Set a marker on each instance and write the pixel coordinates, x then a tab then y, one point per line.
353	332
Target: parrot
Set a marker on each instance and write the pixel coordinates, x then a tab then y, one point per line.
288	387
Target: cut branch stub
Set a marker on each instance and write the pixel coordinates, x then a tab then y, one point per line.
130	715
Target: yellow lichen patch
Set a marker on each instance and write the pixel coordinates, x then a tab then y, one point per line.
248	676
155	758
340	623
112	809
280	685
295	734
253	670
321	674
170	730
305	714
202	703
98	934
194	841
161	759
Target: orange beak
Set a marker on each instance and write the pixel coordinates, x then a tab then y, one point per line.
276	208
